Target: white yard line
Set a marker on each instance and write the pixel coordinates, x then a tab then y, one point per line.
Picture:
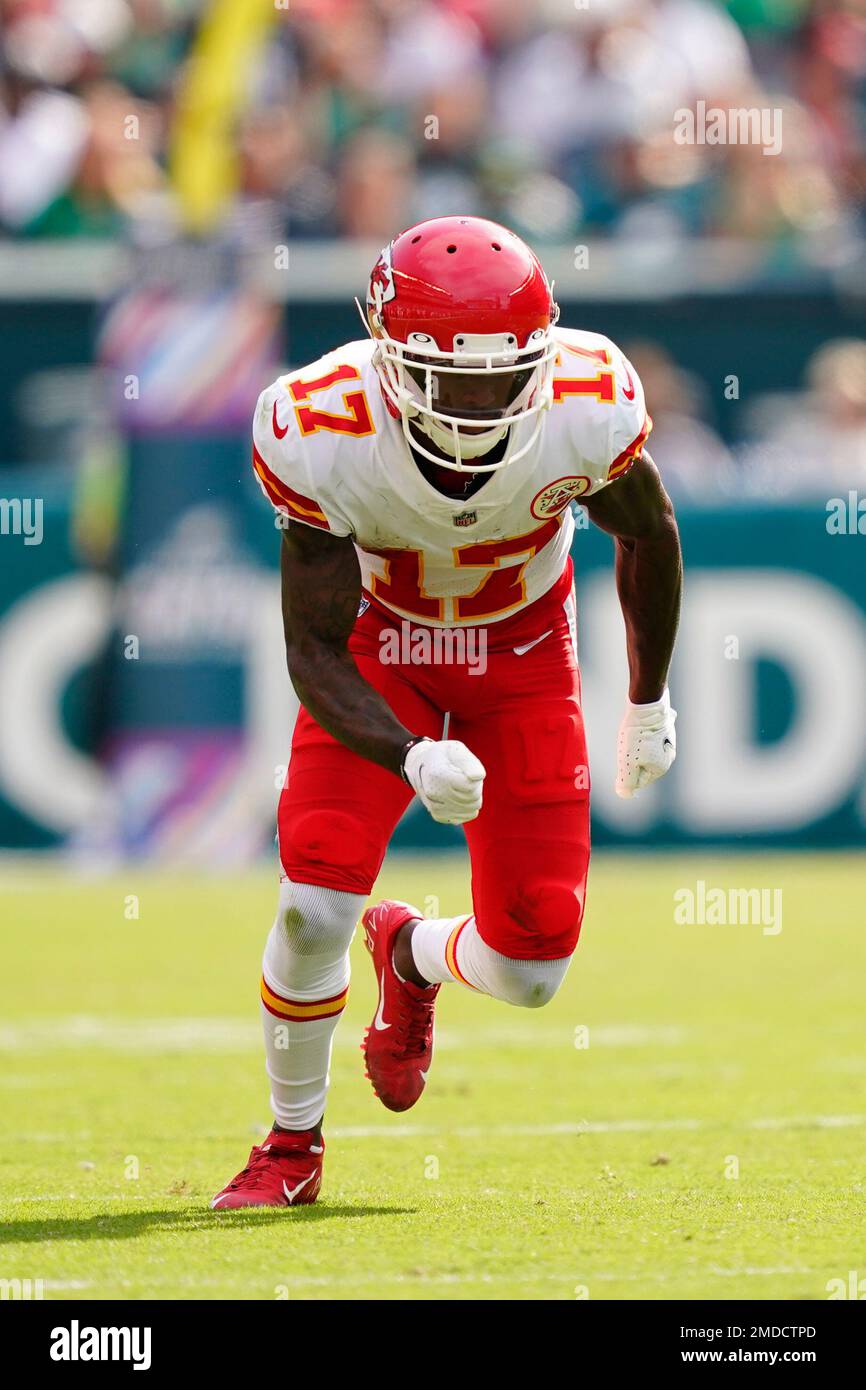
566	1281
579	1127
14	1082
50	1033
98	1198
608	1277
574	1128
809	1122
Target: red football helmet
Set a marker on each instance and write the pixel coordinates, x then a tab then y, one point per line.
462	316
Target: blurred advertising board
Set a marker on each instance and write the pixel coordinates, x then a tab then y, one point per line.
149	713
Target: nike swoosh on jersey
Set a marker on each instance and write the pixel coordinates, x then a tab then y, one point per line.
280	433
379	1022
627	392
292	1194
527	646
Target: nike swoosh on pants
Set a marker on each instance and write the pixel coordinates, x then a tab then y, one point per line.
527	646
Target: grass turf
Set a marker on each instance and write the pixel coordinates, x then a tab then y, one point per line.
707	1143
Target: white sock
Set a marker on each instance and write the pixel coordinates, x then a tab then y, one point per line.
450	948
305	981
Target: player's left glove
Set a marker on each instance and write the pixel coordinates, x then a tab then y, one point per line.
647	744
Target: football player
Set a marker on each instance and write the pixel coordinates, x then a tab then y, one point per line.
426	475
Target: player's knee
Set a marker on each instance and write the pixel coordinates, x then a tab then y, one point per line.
542	919
329	845
316	921
530	984
323	836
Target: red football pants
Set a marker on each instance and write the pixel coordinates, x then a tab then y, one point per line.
529	846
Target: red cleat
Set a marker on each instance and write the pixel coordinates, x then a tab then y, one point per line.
398	1045
284	1171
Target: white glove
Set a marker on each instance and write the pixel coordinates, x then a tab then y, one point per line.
447	777
646	746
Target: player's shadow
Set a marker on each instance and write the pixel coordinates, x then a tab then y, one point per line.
128	1224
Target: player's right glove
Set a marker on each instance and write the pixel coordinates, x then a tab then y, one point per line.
447	777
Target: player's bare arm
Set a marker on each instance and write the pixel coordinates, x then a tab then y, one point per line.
321	591
637	512
639	515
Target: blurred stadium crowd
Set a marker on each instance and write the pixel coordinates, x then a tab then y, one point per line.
365	115
556	117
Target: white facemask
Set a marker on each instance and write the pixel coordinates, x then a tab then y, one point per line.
482	354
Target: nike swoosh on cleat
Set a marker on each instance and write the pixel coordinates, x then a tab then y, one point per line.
291	1195
520	651
379	1022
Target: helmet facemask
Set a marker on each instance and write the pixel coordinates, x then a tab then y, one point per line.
466	400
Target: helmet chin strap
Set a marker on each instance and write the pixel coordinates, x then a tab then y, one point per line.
469	446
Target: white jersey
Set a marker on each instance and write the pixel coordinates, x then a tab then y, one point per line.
328	453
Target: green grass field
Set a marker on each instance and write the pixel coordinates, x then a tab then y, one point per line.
132	1087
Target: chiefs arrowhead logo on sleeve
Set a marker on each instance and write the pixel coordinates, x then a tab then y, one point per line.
554	498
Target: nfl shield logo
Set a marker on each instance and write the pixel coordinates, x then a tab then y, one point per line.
466	519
